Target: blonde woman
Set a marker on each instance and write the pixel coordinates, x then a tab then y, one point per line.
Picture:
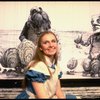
43	74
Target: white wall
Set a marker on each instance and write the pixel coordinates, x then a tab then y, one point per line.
63	15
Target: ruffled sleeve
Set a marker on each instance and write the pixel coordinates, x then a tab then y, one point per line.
36	76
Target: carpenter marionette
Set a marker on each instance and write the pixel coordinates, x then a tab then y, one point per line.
94	53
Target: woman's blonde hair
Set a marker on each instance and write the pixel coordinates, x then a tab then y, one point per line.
39	55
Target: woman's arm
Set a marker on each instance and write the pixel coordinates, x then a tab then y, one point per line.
40	90
59	92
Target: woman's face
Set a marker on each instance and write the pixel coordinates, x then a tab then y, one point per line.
49	44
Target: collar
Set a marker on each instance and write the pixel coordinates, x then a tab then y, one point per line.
48	61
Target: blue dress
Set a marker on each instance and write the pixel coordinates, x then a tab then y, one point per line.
38	74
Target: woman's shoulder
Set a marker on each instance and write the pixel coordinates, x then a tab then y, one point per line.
40	67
